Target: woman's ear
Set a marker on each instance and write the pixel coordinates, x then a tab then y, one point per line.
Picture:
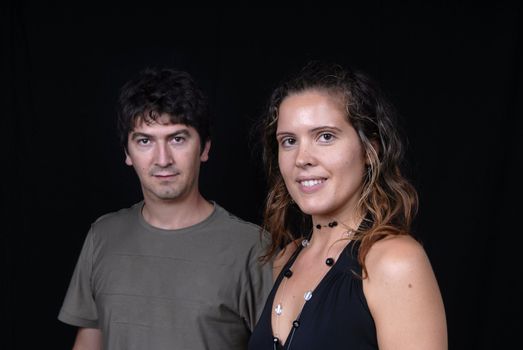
374	142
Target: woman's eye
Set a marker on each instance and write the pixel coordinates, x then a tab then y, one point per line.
288	141
326	137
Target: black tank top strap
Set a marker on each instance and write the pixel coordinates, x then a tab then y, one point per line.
289	263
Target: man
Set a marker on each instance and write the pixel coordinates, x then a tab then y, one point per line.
173	271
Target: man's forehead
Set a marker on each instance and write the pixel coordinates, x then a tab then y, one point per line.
148	124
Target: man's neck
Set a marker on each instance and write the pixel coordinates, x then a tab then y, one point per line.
173	215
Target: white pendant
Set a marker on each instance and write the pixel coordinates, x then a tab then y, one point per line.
278	309
308	295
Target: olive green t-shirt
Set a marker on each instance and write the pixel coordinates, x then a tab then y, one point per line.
145	288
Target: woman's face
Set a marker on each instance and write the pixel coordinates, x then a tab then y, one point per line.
320	155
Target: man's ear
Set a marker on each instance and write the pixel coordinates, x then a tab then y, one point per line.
128	159
204	156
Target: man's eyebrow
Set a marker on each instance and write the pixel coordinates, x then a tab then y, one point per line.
137	134
181	132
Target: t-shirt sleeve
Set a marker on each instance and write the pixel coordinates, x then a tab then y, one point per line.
79	307
256	288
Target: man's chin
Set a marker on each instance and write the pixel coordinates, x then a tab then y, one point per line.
168	195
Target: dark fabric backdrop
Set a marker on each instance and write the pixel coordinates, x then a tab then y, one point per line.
453	70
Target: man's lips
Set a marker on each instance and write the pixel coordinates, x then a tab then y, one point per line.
165	176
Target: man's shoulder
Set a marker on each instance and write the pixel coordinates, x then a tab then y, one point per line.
245	237
235	225
232	219
123	215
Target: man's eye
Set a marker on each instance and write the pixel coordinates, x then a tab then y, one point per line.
143	141
178	139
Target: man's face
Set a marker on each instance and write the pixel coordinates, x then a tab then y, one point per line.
166	158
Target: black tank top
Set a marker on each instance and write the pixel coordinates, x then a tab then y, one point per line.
336	317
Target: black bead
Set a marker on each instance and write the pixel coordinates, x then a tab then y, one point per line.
296	324
334	223
318	227
329	261
287	273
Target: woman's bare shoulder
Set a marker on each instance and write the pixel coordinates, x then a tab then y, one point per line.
403	295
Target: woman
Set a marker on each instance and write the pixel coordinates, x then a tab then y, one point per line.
355	278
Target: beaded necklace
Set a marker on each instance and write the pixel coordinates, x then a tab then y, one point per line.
287	274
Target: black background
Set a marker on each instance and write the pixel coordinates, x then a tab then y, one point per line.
453	70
